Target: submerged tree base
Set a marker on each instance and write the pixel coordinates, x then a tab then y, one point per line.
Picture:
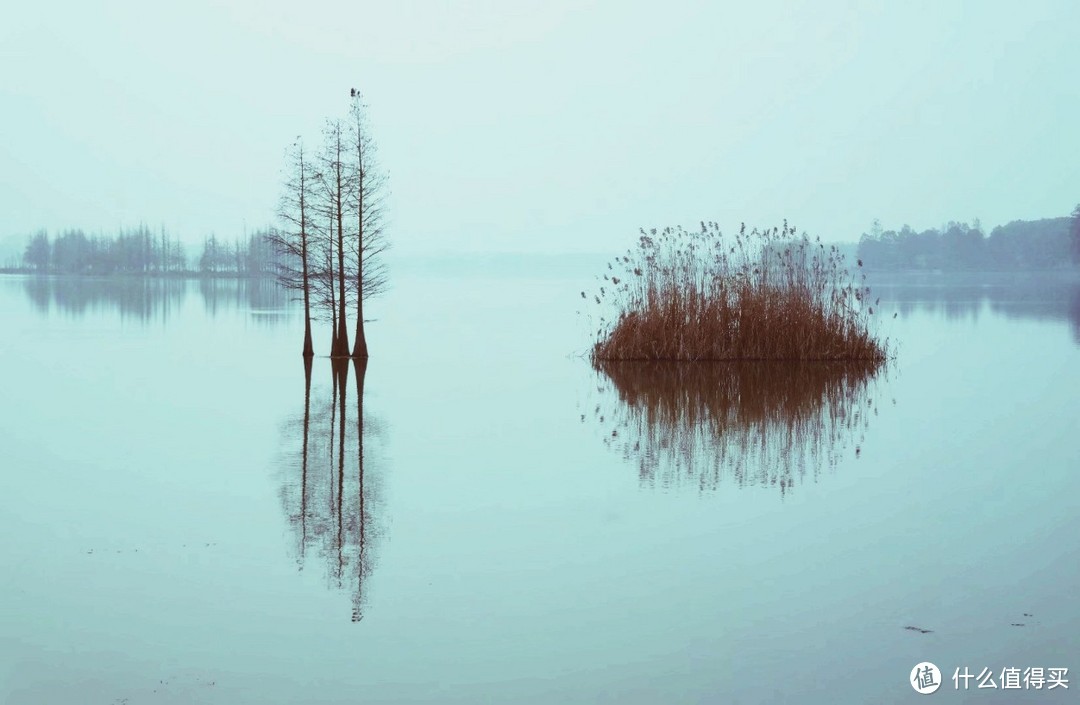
765	295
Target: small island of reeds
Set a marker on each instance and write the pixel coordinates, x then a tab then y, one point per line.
760	295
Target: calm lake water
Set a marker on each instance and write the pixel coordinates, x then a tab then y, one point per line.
188	519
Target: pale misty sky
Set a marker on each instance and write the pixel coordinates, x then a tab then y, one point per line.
545	126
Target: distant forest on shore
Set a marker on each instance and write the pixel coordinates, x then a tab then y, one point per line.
140	251
1022	245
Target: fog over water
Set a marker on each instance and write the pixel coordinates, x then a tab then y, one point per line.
545	126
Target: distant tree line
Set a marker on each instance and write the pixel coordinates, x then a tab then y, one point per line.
1050	243
141	251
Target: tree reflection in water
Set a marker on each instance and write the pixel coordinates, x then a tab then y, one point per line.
155	299
329	492
1047	296
748	423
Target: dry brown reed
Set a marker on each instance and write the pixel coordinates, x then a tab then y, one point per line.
762	295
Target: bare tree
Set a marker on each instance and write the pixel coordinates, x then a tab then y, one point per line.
369	241
338	242
325	206
327	300
293	242
336	190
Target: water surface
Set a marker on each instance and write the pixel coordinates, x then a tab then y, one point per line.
480	516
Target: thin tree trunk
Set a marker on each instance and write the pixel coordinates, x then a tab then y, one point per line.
330	285
360	342
341	349
360	350
309	350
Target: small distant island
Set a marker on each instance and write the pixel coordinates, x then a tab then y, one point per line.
764	294
140	251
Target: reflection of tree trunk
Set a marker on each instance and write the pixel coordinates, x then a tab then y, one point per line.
341	376
340	519
330	447
304	457
360	365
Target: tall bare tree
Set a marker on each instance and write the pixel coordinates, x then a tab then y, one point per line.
343	238
369	241
325	205
336	188
293	241
327	295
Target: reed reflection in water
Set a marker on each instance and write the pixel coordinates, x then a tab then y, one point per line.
329	492
748	423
